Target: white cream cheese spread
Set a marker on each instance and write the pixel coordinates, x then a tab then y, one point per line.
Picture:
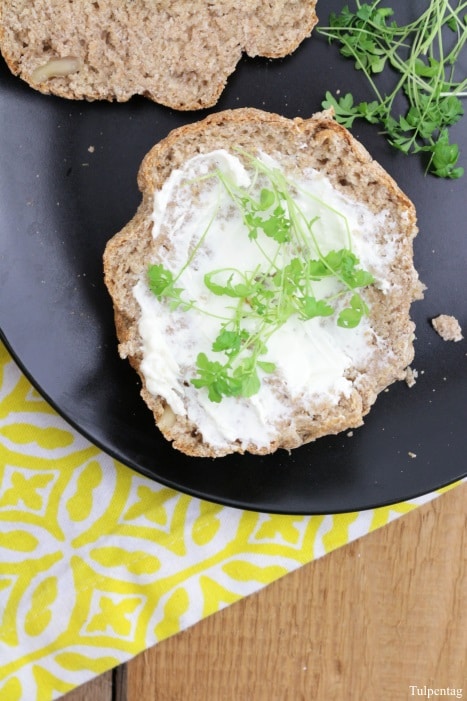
311	356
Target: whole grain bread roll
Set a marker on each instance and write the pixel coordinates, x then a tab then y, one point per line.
332	158
175	52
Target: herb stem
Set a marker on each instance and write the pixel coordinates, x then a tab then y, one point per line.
424	54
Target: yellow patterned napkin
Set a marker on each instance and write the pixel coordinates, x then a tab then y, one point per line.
98	563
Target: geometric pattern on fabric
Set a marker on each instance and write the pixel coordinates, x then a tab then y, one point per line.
97	563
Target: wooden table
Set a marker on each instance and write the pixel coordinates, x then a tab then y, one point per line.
384	618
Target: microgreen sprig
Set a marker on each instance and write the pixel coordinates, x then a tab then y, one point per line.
262	300
423	54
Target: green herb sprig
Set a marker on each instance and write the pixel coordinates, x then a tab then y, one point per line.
424	54
261	300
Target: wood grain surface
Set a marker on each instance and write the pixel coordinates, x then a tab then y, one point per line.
383	618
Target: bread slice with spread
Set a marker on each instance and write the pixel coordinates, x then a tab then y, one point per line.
174	52
263	289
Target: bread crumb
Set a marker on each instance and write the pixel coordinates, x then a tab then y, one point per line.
350	434
91	149
412	455
411	376
447	327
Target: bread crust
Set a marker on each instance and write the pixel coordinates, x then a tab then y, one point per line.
174	52
318	142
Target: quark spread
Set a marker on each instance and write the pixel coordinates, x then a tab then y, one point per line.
311	356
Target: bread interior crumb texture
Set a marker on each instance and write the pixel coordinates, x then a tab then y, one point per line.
175	52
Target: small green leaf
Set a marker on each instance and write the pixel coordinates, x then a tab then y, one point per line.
351	316
344	110
215	377
161	284
239	290
277	226
317	269
227	341
266	366
250	383
159	279
311	307
266	198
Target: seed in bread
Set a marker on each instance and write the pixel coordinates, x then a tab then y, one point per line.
322	368
174	52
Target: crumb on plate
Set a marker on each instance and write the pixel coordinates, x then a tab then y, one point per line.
447	327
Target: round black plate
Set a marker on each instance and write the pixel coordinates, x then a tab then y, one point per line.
68	183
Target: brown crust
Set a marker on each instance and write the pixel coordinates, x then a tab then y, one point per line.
318	142
176	53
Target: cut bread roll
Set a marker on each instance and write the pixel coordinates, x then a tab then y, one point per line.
174	52
230	291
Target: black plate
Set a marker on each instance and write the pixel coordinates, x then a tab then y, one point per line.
68	183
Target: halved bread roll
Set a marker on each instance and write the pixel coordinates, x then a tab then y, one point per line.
174	52
198	274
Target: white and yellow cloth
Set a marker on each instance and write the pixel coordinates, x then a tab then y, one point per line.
98	563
